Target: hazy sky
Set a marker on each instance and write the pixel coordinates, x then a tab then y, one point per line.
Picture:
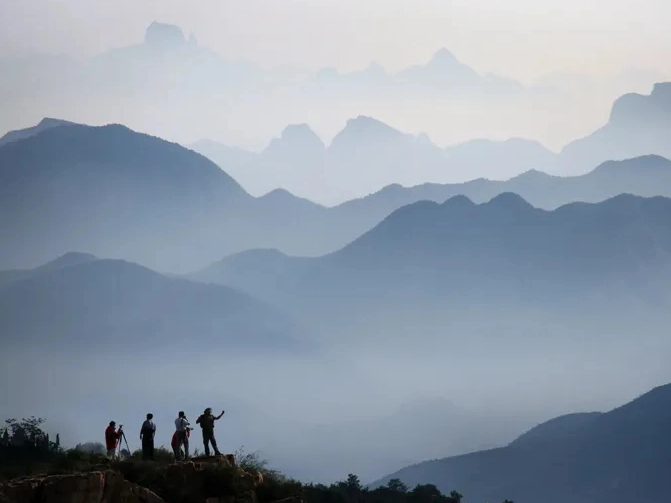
523	39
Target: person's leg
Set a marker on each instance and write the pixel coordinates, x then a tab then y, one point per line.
110	453
183	440
151	448
206	443
214	445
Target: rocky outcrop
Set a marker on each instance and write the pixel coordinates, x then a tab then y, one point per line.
213	479
90	487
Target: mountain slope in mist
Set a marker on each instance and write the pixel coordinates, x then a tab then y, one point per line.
372	153
118	193
638	125
460	248
614	457
645	176
79	303
122	194
442	75
44	124
582	281
108	190
418	430
377	155
67	259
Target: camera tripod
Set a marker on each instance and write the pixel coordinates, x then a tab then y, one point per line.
123	436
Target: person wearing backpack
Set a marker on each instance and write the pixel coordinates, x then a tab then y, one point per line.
206	421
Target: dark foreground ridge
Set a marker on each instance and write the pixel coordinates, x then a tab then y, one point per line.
212	479
35	470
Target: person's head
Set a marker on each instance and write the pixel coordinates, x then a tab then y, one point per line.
150	416
112	424
208	411
181	413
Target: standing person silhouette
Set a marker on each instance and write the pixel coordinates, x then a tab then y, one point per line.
112	436
147	433
206	421
182	432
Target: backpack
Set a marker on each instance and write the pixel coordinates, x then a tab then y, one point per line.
206	422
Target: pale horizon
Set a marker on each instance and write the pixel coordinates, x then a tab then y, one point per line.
599	39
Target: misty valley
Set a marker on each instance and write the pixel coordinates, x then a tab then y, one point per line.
382	319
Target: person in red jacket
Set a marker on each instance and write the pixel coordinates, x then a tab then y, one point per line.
112	437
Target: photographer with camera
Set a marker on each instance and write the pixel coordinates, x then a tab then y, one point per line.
182	430
112	437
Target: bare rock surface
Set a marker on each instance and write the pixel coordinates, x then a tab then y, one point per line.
89	487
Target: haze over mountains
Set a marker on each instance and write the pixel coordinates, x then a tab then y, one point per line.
372	153
368	270
116	193
62	303
79	306
174	87
612	457
471	268
376	155
638	125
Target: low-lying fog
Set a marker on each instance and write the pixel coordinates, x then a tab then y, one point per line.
364	411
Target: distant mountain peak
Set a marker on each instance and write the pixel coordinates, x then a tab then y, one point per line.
423	139
162	34
364	129
296	138
662	90
365	123
69	259
375	67
301	130
443	56
641	164
79	256
643	107
509	201
532	174
281	195
43	125
364	120
458	202
51	121
279	192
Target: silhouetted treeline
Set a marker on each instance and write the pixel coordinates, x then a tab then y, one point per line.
25	441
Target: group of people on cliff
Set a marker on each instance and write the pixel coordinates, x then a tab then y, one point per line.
180	438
